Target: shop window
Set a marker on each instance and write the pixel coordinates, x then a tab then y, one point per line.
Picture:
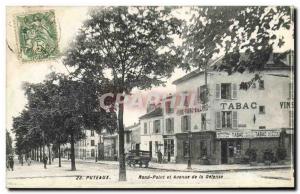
92	133
92	142
169	147
145	128
261	85
230	149
186	123
203	121
157	126
170	125
262	110
185	148
238	148
92	152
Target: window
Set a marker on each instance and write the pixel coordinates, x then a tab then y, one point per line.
185	148
156	126
92	142
225	91
92	133
186	123
262	127
145	128
261	85
170	125
169	147
226	119
92	152
203	121
202	94
127	137
262	110
169	109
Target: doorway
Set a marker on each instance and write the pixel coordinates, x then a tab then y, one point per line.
150	148
224	158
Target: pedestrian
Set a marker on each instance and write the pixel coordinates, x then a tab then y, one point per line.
28	161
45	160
159	156
11	162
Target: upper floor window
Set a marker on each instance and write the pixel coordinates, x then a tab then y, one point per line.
145	128
291	91
169	108
92	142
202	94
262	110
156	126
186	123
170	125
226	91
92	133
226	120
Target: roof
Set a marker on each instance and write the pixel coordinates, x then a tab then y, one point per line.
155	113
275	64
131	126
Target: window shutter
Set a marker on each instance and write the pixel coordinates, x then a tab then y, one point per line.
218	120
234	91
182	124
198	94
218	91
234	120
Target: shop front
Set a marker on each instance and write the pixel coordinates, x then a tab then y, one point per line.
200	146
169	144
231	146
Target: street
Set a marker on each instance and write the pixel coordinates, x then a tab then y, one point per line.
105	175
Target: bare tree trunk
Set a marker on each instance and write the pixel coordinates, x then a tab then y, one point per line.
37	154
41	156
122	166
49	151
59	158
73	167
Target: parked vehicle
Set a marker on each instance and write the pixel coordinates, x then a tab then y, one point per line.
138	157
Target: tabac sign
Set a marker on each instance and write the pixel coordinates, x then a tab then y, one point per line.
248	134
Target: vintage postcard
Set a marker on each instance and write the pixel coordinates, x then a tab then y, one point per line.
150	97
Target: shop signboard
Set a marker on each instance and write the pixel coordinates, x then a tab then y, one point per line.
248	134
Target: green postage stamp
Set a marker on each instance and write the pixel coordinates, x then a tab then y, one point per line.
37	36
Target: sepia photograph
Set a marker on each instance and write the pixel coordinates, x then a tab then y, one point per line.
150	97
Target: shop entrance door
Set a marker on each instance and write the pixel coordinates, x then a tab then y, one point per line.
224	159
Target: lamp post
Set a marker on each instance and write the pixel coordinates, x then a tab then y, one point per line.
95	153
189	164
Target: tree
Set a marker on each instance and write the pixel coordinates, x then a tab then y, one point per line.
252	29
126	48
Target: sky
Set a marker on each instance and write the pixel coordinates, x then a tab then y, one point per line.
68	20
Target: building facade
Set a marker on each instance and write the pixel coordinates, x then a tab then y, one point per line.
217	117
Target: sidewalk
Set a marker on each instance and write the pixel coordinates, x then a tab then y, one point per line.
198	167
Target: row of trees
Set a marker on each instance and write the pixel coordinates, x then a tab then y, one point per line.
121	48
